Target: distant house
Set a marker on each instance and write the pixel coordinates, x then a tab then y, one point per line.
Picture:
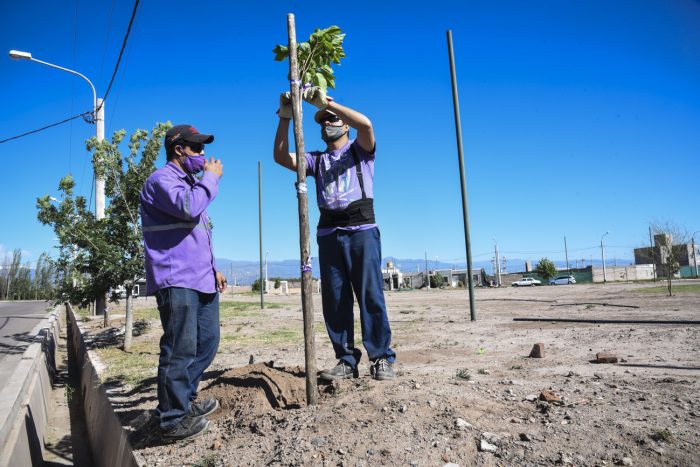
658	256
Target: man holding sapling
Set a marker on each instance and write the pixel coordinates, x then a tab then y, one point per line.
349	245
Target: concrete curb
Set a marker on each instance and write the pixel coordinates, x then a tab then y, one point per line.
24	399
108	440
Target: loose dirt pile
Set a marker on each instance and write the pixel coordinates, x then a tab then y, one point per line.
248	392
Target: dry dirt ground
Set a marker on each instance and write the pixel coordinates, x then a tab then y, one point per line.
466	393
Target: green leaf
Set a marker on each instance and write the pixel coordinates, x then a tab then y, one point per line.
320	81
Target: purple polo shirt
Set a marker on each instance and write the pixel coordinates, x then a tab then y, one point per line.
336	181
176	234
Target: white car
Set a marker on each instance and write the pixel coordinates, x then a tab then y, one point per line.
562	280
525	281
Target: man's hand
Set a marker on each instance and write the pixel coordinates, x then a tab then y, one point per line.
285	110
221	282
214	165
316	96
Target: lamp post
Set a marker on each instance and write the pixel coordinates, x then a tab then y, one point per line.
602	255
98	112
98	116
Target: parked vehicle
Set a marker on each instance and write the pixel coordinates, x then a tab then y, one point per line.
526	281
562	280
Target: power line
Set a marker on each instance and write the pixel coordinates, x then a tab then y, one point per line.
45	127
121	52
116	68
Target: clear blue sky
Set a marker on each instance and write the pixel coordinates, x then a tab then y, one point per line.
578	117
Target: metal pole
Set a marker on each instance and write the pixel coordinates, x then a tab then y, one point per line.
566	254
462	179
651	249
304	241
695	259
262	288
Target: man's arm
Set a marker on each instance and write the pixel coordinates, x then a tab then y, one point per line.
357	121
184	202
281	150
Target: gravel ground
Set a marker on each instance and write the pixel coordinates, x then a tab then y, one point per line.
467	393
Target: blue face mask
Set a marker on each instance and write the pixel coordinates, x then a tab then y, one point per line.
194	164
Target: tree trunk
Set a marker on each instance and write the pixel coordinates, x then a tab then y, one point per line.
128	332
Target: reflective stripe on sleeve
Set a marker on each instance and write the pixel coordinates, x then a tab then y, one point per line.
179	225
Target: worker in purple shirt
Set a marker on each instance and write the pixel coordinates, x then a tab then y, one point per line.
181	273
349	246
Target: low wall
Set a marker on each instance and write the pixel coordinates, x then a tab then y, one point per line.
108	441
25	398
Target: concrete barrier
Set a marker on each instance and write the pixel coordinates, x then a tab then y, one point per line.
108	440
24	399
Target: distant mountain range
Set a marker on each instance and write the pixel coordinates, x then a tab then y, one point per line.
245	272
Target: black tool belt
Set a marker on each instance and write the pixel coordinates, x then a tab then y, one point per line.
357	213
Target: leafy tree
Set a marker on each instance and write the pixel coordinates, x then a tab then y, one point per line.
255	286
315	56
546	269
101	255
438	280
278	284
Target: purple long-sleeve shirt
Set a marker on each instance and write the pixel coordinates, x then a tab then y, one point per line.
176	233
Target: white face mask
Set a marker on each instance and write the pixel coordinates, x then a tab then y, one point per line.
332	133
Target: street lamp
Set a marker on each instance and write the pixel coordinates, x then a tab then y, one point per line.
602	255
98	116
98	113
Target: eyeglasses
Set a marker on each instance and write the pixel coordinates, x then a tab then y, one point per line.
195	147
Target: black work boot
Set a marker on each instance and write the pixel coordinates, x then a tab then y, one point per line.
187	428
382	370
203	408
341	371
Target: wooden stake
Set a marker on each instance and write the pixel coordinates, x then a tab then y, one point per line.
304	243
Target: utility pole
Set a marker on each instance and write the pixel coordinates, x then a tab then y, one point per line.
427	276
498	264
101	302
566	254
462	178
262	287
266	253
304	242
602	255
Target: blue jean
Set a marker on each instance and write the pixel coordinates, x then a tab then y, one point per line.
190	340
352	261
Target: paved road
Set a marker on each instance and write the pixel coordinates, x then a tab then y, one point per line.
17	319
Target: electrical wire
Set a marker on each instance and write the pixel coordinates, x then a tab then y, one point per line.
121	52
46	127
84	114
